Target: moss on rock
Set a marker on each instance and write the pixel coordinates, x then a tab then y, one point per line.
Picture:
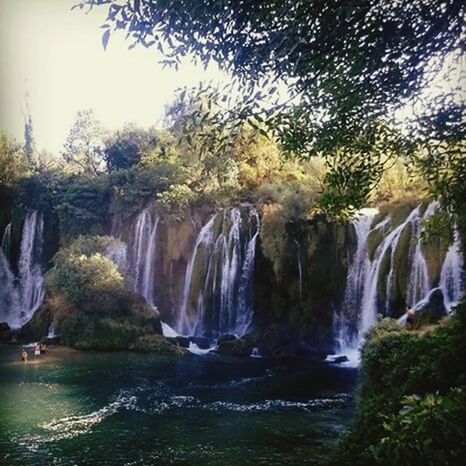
157	344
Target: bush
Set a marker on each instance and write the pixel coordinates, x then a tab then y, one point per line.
134	188
82	278
409	386
427	431
158	344
87	300
177	198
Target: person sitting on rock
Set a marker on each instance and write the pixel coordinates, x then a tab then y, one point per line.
24	355
409	319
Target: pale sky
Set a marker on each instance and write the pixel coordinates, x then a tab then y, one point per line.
57	55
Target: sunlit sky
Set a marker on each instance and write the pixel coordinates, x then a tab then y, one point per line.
56	55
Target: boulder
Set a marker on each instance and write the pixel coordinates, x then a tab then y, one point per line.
5	332
201	342
339	359
51	340
226	337
237	347
430	310
156	344
179	341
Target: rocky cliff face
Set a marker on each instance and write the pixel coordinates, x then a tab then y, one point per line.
247	271
297	299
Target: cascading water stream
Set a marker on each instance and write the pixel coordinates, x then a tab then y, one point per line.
419	284
451	276
30	271
142	254
204	239
300	269
346	334
362	300
244	317
6	241
9	297
21	296
217	299
370	296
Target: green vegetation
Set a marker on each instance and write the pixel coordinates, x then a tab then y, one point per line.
87	299
412	406
346	68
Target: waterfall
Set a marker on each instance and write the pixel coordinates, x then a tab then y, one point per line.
370	296
300	270
142	254
22	295
218	286
451	280
204	239
347	335
362	300
30	271
419	283
244	317
6	241
9	298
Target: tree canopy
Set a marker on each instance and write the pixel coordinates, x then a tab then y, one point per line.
345	65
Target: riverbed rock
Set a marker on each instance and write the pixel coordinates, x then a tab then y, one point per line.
237	347
339	359
5	332
430	310
179	340
201	342
157	344
226	337
37	328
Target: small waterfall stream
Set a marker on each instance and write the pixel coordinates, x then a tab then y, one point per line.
142	254
21	295
346	333
204	240
451	276
217	289
419	284
300	269
6	241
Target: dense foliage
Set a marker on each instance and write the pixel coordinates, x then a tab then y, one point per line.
88	301
412	397
346	68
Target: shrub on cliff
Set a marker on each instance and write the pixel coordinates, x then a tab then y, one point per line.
84	278
411	396
88	301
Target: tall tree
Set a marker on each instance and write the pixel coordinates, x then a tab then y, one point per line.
29	145
83	148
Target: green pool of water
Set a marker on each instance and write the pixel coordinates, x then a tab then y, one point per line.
85	408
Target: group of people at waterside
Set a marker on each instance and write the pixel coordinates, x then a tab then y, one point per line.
38	349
